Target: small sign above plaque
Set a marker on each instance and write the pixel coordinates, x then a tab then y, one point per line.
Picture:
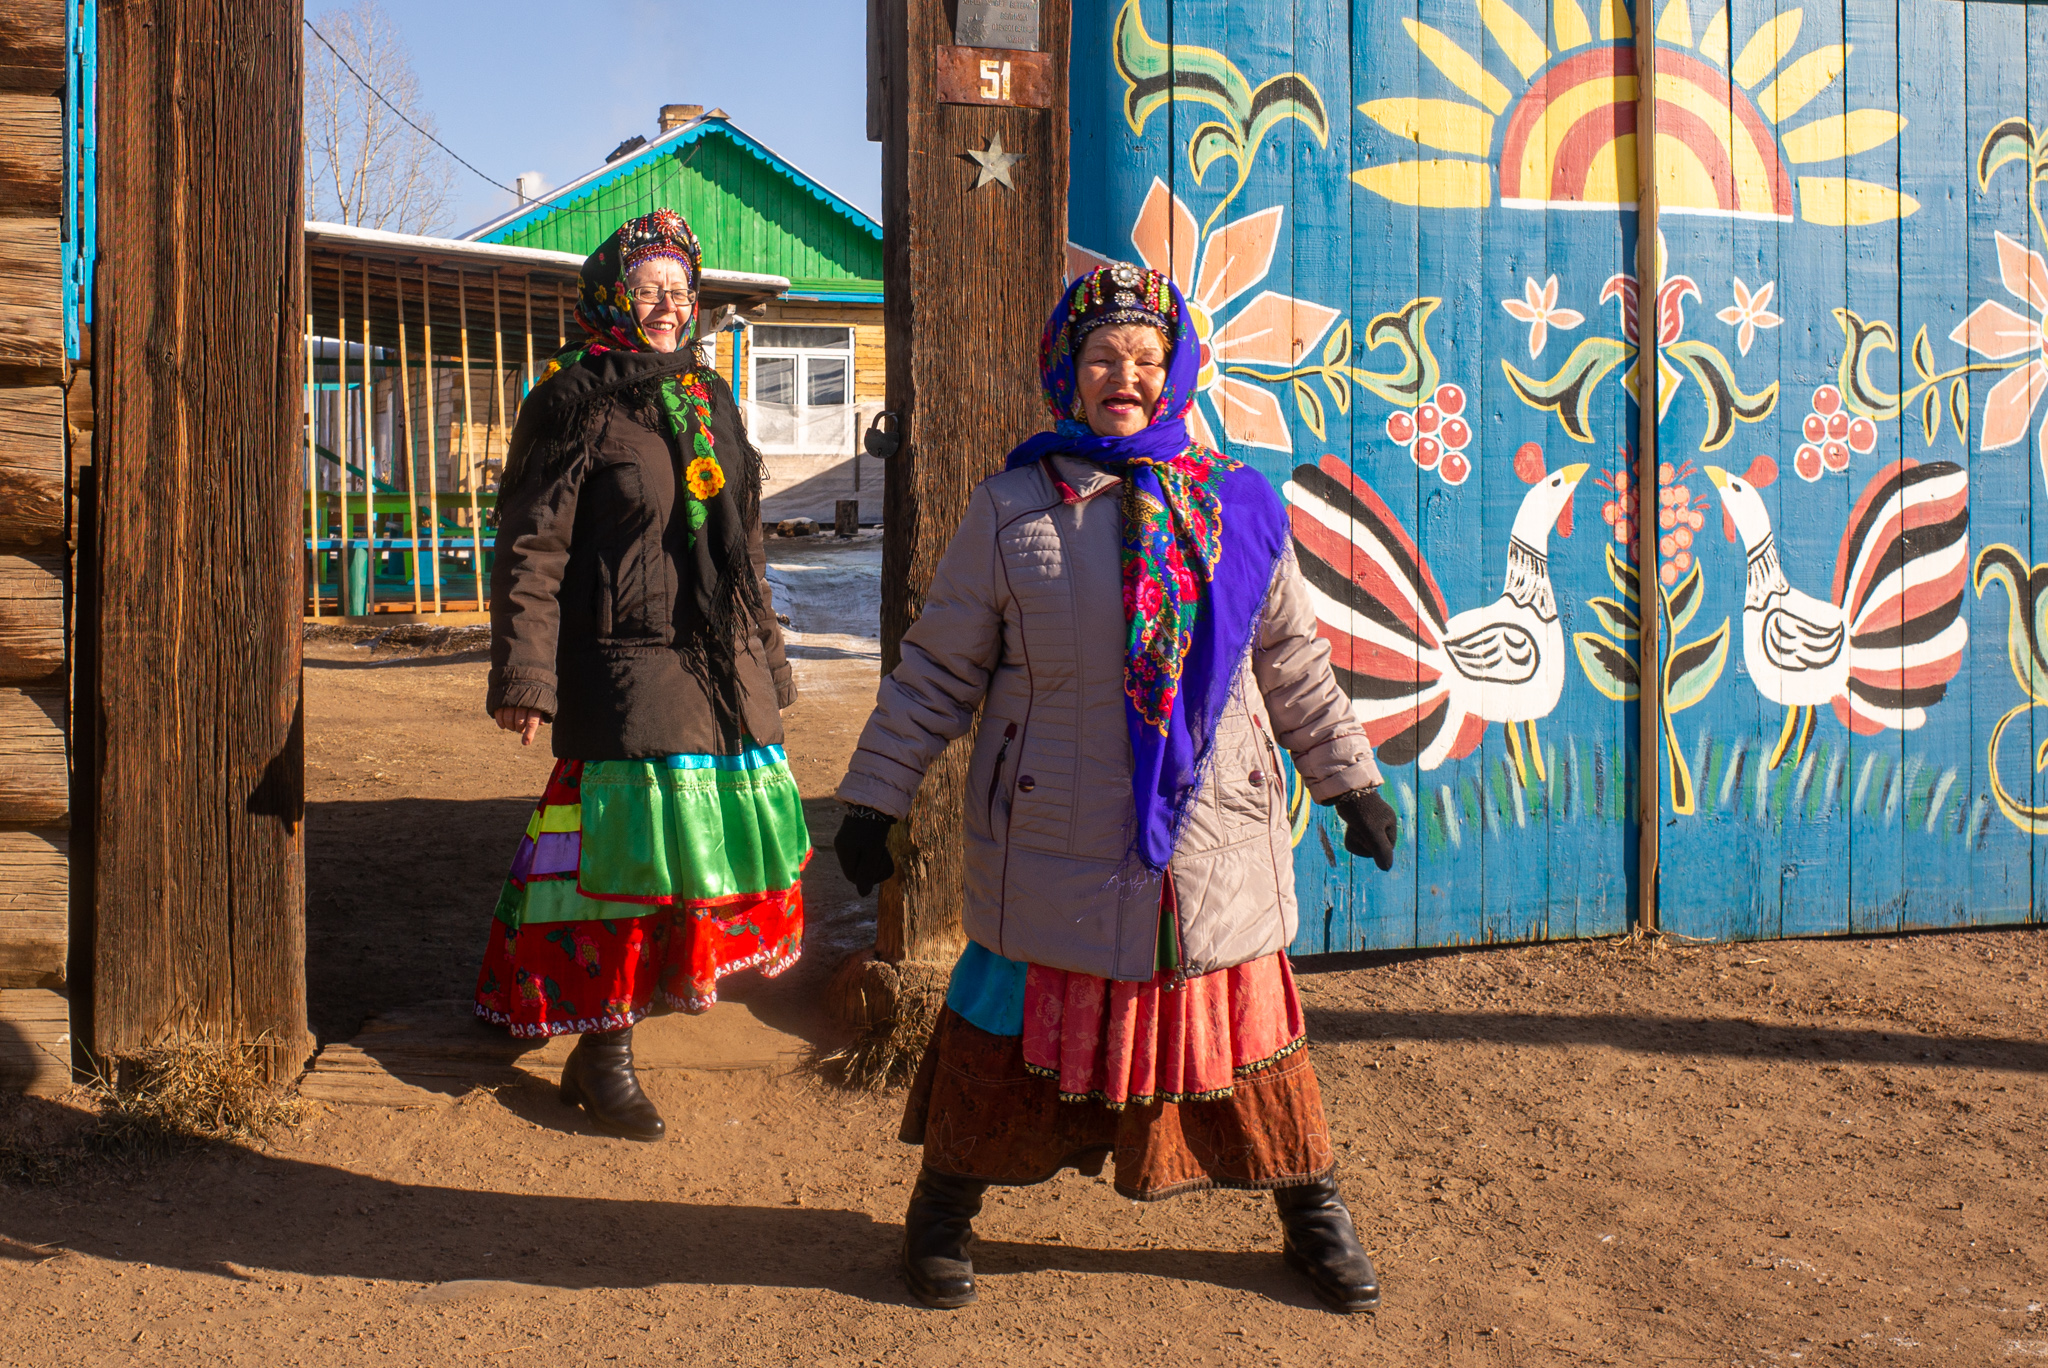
995	76
1009	24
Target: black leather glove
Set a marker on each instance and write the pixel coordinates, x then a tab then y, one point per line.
863	848
1371	826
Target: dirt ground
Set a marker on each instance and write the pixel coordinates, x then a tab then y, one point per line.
1629	1152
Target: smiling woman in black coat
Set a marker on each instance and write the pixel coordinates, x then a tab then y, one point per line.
630	608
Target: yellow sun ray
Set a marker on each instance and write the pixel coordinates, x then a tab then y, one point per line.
1842	135
1714	42
1841	202
1443	124
1431	184
1675	27
1516	38
1801	81
1458	66
1614	24
1766	48
1570	23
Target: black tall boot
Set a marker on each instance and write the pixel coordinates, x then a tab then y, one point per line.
599	1078
1321	1244
936	1233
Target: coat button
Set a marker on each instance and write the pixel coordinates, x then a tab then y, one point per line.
1025	783
1258	778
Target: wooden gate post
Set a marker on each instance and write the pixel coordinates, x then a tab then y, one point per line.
190	723
974	193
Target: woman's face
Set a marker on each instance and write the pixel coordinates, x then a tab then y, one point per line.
1122	369
665	317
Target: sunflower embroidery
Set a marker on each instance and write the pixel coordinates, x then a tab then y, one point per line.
705	478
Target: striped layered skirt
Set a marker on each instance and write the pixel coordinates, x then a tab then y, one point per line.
639	884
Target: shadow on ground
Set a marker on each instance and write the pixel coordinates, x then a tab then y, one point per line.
248	1216
1649	1033
399	896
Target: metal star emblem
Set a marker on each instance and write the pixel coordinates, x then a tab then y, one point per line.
994	162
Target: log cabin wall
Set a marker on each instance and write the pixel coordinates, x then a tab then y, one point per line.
189	623
34	542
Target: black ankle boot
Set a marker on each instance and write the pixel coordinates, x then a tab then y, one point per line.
1321	1244
936	1233
599	1078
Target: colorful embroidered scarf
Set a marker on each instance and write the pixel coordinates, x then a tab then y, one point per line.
1202	535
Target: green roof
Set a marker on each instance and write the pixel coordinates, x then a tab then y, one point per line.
751	210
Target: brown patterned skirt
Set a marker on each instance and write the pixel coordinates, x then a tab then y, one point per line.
981	1114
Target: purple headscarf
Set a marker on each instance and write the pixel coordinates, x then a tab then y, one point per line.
1202	535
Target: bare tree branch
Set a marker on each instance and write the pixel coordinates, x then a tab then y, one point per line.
363	166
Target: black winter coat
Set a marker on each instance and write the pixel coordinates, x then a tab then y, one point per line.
591	588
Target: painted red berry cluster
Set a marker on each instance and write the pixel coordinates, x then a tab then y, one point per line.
1679	519
1831	434
1436	433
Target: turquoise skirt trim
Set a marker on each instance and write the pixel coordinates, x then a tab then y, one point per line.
988	990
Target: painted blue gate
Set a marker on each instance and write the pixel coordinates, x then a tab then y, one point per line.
1408	233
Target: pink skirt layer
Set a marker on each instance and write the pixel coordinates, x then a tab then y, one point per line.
1138	1043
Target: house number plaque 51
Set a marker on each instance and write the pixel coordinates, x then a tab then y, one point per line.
995	76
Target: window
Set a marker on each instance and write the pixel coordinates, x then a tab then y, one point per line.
795	370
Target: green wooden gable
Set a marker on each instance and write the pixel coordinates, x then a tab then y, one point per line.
752	211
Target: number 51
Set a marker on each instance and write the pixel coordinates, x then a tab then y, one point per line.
995	80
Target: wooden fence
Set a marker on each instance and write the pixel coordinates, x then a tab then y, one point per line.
1763	662
417	353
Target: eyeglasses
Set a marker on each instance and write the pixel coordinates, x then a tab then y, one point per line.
654	294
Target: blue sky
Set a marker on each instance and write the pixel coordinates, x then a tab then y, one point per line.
517	86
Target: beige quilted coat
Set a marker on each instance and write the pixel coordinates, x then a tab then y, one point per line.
1025	621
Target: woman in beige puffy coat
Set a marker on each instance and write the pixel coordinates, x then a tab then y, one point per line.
1123	608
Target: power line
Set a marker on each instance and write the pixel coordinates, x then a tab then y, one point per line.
401	113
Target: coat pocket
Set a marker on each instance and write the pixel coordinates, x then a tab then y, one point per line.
1240	776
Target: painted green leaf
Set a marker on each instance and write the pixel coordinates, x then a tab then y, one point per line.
1959	408
1407	331
1723	397
1608	668
1211	143
1864	340
1290	95
1618	619
1694	669
1337	350
1569	393
1622	574
2011	140
1923	355
1683	795
1683	600
1339	388
1311	406
1155	74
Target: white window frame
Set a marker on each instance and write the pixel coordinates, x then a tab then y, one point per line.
802	356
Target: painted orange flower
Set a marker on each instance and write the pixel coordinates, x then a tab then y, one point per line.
1272	330
705	478
1997	332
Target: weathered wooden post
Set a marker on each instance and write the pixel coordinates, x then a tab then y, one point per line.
969	101
190	729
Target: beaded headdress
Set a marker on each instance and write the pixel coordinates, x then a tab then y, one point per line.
659	234
1122	293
